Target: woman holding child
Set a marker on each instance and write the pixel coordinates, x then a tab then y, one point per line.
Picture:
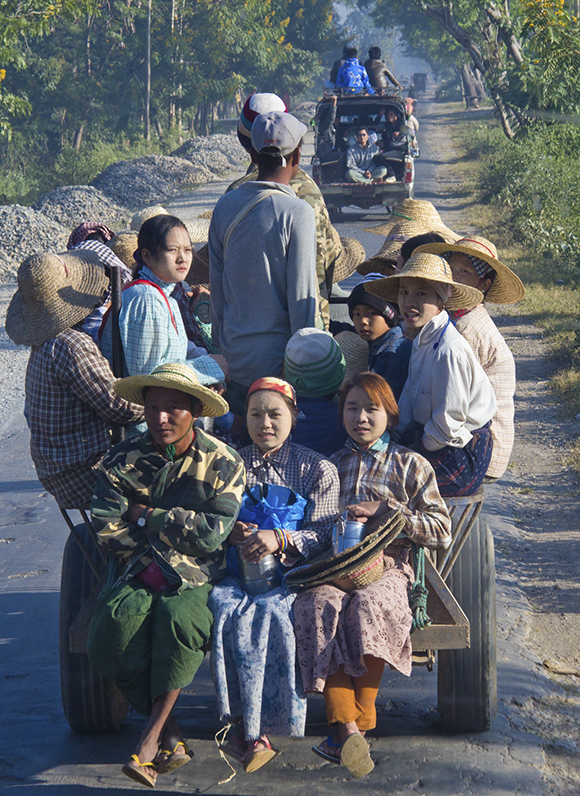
254	650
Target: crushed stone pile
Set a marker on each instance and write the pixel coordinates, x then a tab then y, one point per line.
218	153
25	231
148	180
305	111
71	205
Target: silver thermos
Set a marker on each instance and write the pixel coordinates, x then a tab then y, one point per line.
346	533
261	577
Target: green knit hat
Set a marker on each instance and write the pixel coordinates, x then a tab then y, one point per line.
314	363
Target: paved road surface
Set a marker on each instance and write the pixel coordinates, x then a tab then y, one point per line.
413	754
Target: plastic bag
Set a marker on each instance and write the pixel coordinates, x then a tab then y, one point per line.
268	506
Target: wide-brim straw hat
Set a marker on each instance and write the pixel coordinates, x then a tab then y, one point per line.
124	244
349	255
198	274
356	354
419	210
55	291
148	212
356	566
435	269
207	214
198	229
386	258
172	376
507	287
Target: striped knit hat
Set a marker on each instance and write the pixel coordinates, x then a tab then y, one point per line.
255	105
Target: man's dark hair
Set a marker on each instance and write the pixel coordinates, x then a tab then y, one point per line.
153	233
361	128
410	245
351	52
375	52
346	48
270	161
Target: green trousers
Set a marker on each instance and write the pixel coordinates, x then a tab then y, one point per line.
149	643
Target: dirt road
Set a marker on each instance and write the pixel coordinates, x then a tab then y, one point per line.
531	512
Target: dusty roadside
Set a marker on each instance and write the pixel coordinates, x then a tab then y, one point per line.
541	492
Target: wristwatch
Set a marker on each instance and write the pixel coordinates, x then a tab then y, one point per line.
142	520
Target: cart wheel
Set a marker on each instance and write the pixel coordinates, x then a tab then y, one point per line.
467	679
91	702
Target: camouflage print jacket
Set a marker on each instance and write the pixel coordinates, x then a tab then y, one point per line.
305	188
195	501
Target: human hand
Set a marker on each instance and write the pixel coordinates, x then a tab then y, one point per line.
361	512
223	363
241	532
197	292
135	511
260	545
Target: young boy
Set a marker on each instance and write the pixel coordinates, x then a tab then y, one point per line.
377	322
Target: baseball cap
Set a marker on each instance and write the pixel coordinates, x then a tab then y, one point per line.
277	131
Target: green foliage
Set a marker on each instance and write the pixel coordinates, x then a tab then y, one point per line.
537	178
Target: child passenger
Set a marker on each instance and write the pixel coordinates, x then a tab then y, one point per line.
448	401
377	321
474	262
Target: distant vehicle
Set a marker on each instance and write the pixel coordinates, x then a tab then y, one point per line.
420	81
328	170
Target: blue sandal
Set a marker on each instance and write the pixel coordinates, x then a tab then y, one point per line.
318	750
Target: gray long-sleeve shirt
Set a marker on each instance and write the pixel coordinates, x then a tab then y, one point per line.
264	288
361	158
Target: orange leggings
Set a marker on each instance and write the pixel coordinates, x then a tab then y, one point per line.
353	698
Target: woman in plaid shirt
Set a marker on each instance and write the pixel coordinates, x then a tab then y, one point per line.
344	640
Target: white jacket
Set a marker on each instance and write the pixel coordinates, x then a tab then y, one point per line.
447	391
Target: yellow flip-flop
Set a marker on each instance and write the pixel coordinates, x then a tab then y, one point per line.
137	771
173	760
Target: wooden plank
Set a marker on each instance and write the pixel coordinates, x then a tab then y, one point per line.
450	627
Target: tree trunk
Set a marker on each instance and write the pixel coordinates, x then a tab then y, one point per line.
148	82
479	84
78	137
469	90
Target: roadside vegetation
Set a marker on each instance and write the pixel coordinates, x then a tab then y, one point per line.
525	196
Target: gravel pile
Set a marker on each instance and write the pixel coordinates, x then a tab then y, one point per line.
148	180
74	204
25	231
217	153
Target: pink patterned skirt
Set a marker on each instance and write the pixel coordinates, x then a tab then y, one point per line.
336	629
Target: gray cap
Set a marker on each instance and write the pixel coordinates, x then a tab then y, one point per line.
277	130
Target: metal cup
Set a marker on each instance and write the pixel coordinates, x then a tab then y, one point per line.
261	577
346	533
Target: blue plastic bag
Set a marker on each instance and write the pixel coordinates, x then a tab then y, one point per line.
268	506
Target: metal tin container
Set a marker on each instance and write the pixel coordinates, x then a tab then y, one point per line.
346	533
261	577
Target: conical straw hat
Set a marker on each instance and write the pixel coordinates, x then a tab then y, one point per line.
172	376
386	258
147	212
124	244
356	353
507	287
350	254
198	229
419	210
199	271
55	291
435	269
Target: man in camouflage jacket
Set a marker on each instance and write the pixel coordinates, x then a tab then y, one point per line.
164	504
195	502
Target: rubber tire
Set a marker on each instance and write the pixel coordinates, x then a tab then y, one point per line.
91	703
467	679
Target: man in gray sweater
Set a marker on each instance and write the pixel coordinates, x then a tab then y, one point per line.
262	253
